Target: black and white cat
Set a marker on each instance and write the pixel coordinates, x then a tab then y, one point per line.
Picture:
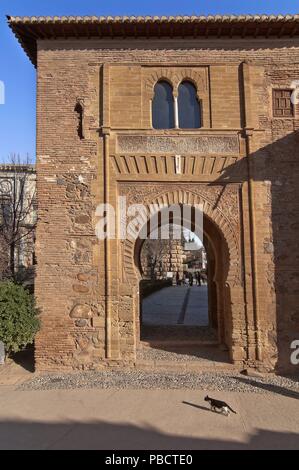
219	405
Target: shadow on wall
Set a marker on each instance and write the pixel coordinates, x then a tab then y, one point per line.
277	166
118	436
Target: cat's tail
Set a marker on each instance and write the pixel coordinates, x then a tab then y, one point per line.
233	411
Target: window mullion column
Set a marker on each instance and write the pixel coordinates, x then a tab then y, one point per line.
176	113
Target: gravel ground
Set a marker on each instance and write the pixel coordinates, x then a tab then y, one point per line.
134	379
178	354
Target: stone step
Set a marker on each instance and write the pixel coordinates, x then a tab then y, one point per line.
183	356
184	344
185	367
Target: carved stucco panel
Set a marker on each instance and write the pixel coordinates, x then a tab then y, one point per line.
201	145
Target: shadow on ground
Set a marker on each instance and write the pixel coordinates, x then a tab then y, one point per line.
25	359
198	407
120	436
269	387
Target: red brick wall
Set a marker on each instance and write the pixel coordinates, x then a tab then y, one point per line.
75	271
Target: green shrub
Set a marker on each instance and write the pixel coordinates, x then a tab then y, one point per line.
18	317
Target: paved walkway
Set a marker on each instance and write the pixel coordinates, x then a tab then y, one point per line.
144	419
177	305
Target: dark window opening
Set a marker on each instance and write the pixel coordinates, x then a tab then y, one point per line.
79	111
163	107
188	106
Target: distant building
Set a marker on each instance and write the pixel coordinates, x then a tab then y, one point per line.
17	196
194	259
162	259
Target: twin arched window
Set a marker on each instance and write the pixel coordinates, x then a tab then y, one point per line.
169	112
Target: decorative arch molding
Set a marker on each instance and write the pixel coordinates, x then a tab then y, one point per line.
198	78
166	75
174	76
220	204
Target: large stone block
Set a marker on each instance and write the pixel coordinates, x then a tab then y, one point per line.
81	311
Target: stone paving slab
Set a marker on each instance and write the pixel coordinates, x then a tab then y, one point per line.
144	419
197	308
167	306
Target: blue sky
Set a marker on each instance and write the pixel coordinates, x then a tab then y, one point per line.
17	116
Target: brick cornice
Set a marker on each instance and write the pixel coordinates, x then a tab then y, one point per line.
29	30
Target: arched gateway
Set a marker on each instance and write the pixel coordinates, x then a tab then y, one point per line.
178	110
219	235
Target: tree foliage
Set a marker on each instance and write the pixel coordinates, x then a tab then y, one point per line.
18	317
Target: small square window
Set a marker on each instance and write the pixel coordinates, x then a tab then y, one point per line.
282	104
